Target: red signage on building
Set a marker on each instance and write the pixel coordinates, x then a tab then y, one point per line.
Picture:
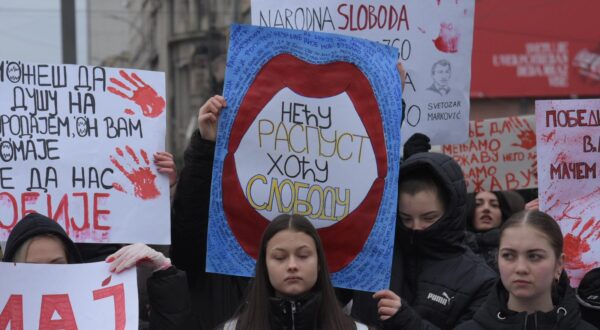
536	48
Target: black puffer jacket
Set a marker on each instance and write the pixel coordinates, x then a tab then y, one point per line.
495	315
441	282
288	314
214	297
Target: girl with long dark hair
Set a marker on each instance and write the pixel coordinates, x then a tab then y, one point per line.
291	288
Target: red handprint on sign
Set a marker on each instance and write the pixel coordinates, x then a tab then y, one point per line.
143	95
576	246
526	133
141	176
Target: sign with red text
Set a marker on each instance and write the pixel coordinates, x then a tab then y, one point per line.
568	138
522	49
434	39
499	155
78	296
77	145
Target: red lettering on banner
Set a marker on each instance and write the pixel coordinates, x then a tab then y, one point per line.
19	207
53	304
475	130
495	184
118	294
511	182
12	313
573	118
15	212
26	199
100	214
363	17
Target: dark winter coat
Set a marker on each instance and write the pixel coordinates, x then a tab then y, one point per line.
485	244
214	297
287	314
495	315
441	282
170	305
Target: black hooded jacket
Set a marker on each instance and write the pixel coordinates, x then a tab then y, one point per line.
495	315
441	282
35	224
220	295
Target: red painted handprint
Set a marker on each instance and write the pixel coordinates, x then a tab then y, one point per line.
526	133
576	246
141	176
447	40
143	95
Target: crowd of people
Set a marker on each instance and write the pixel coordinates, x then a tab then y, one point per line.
464	261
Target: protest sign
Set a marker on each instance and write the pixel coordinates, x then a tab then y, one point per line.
312	128
568	142
499	155
79	296
77	144
434	39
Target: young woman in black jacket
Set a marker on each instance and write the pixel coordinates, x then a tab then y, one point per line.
436	281
291	288
533	291
486	211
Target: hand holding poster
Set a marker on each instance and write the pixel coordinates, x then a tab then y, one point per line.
312	128
499	155
569	177
434	39
77	144
79	296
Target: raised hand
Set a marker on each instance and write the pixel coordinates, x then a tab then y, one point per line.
137	254
388	305
151	104
165	165
140	175
208	117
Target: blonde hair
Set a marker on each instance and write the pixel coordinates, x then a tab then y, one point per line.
23	250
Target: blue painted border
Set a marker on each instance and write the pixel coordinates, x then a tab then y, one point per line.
250	48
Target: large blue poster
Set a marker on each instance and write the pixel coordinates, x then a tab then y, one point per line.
312	127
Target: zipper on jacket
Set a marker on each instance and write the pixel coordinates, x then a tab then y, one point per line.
293	313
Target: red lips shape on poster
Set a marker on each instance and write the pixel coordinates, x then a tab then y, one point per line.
344	240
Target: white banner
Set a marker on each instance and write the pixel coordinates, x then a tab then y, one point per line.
77	145
434	39
79	296
499	155
568	142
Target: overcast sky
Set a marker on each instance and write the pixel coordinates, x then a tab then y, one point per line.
30	31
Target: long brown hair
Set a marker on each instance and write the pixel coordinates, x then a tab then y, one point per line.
254	314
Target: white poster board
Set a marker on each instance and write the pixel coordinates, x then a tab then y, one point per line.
77	145
499	155
568	142
434	39
78	296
